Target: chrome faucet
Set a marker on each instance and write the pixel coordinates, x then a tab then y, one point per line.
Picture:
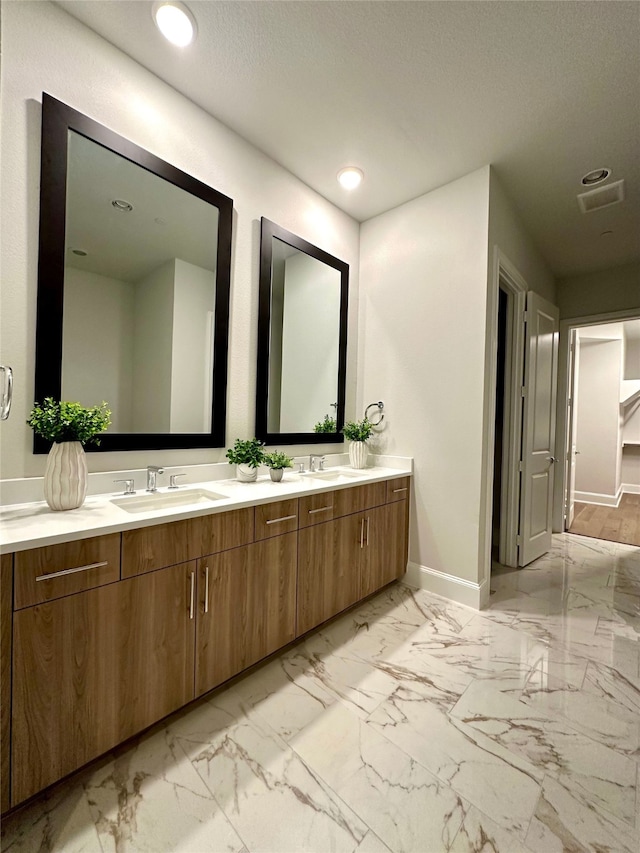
313	458
152	472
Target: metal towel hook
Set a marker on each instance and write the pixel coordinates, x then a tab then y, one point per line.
380	407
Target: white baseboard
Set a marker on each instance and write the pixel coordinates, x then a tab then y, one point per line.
449	586
595	498
631	488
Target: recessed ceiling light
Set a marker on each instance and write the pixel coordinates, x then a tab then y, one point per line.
121	204
175	22
595	177
350	177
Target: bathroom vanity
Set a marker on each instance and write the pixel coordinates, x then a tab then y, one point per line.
111	624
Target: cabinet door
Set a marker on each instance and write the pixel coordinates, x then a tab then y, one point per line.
93	668
385	550
329	557
246	607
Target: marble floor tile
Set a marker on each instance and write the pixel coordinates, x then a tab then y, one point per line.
603	776
406	806
604	680
59	822
563	821
480	834
495	780
150	799
271	797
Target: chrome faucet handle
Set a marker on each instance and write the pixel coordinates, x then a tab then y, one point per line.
128	486
300	467
321	462
172	480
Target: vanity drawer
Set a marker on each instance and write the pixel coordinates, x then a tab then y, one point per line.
398	489
151	548
357	498
314	509
276	518
43	574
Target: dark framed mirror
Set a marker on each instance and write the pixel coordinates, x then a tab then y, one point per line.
133	288
302	341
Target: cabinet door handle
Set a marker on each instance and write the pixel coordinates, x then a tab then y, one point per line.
320	509
71	571
278	520
395	491
206	589
362	533
367	537
192	596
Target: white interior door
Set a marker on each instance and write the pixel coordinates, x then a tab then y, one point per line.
572	430
538	428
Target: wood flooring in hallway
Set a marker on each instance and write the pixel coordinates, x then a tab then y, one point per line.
616	524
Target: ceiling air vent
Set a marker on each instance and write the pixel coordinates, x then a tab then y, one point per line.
602	197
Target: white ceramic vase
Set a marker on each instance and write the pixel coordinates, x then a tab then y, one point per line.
358	454
65	478
246	474
276	474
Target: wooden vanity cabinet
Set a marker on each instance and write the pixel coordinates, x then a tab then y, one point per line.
246	607
349	558
94	668
6	628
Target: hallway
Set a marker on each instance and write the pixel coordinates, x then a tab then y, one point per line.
409	724
617	524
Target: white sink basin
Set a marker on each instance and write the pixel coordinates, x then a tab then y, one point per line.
167	500
334	475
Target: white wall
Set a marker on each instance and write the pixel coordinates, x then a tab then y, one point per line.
97	343
422	333
598	430
192	357
601	292
43	48
153	350
310	338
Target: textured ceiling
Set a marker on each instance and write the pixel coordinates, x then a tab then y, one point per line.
420	93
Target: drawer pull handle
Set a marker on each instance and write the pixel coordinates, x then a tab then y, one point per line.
192	595
395	491
71	571
284	518
367	540
320	509
362	533
206	589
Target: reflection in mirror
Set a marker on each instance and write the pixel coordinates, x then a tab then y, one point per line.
133	287
302	341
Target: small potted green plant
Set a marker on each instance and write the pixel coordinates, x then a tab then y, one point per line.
277	462
69	426
328	424
357	433
247	455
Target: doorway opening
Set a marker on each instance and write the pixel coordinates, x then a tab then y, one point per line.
498	443
601	496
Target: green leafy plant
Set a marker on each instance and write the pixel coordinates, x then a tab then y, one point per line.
326	425
358	430
247	452
64	421
277	460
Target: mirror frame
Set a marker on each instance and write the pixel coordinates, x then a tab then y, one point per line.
57	120
268	231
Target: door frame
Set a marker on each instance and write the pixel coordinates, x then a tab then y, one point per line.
504	273
566	326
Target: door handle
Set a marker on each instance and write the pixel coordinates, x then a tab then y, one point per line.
367	536
362	533
192	594
551	459
206	589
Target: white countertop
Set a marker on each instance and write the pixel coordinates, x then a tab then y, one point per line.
31	525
